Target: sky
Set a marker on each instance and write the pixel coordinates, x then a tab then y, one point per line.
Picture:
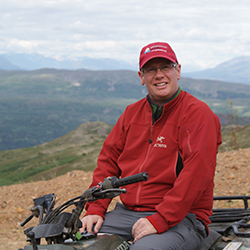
202	33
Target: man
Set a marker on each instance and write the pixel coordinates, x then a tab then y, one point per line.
174	138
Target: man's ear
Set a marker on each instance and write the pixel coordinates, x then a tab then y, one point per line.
178	68
141	75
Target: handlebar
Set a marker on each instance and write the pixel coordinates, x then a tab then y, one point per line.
109	188
114	182
130	180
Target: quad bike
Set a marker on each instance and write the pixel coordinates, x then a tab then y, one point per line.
229	229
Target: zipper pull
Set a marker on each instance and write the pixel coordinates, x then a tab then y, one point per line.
151	134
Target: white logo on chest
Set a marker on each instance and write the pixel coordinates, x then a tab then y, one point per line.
160	138
160	142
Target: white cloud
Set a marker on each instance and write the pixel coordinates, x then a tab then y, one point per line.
24	45
203	33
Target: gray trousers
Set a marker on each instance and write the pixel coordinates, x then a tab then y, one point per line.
189	234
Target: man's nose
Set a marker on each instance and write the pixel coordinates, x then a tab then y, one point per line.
159	73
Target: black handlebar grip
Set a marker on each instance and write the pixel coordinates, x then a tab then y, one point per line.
26	220
130	180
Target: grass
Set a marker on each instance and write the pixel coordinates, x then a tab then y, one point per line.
77	150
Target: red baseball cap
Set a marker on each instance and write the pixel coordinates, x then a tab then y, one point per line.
158	49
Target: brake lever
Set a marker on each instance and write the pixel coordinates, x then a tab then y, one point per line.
36	211
108	193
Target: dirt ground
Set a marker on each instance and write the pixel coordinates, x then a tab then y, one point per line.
231	178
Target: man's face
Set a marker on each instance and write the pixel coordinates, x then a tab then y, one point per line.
161	85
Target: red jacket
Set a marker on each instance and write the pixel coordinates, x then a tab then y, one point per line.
187	126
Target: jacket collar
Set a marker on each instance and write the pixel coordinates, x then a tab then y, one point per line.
156	110
155	106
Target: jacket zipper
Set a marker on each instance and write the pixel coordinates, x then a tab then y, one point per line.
140	168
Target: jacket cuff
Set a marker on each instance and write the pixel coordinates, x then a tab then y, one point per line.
92	210
158	222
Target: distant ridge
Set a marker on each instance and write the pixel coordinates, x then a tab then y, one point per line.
236	70
34	61
5	64
42	105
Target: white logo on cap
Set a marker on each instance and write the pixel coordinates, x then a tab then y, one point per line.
147	50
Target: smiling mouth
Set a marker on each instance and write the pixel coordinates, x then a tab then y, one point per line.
161	84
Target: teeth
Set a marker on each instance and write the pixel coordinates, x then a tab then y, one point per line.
160	84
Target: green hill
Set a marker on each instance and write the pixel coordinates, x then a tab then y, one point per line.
77	150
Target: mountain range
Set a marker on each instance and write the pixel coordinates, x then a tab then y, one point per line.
34	61
236	70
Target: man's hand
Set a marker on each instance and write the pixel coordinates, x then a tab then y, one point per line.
142	228
89	221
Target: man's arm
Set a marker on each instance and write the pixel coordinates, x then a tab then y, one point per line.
106	166
199	138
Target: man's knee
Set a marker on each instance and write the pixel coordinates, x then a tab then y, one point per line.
150	242
141	246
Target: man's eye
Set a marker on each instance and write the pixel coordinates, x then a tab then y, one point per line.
151	70
166	67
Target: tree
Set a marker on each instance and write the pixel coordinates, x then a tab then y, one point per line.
233	125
